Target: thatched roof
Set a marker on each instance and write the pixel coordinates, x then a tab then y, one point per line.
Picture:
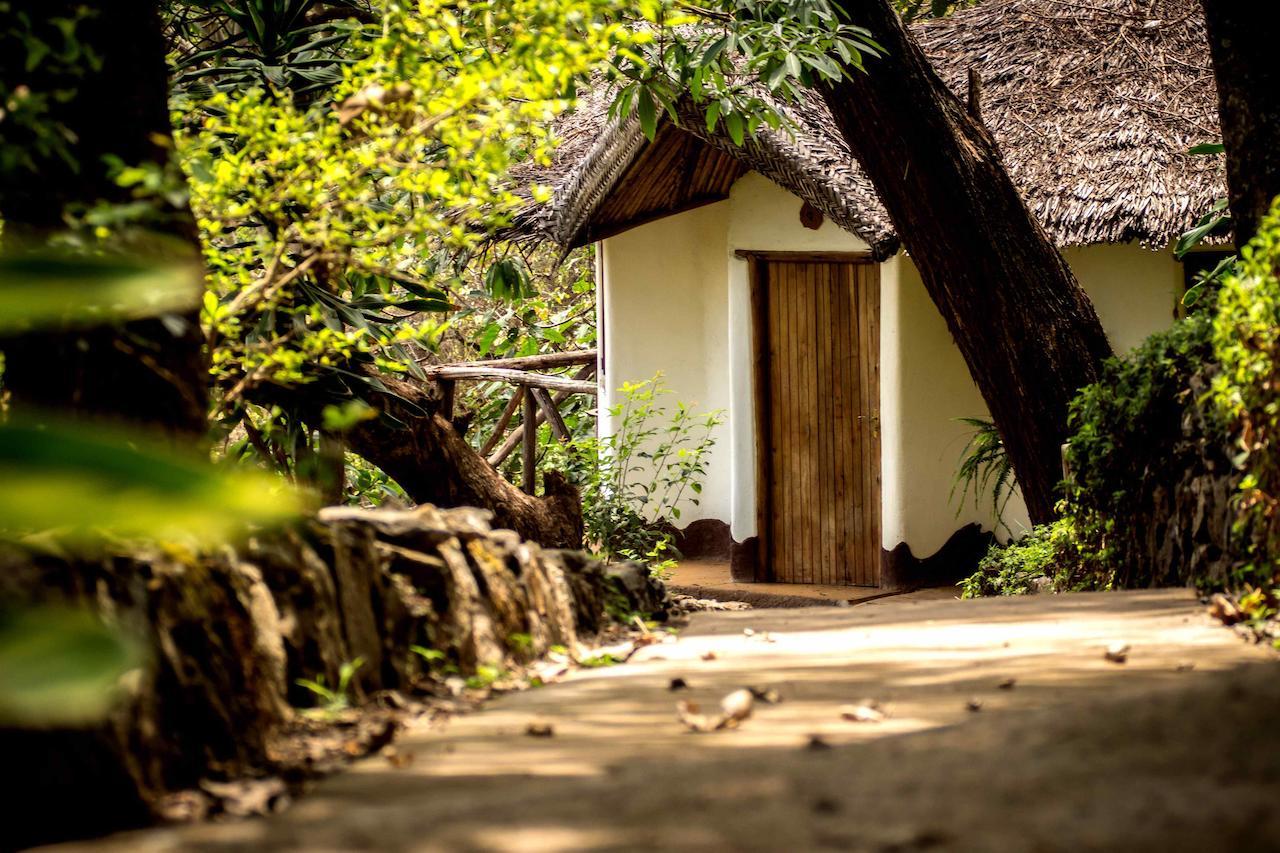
1094	103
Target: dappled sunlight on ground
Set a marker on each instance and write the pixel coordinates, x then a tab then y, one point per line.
622	772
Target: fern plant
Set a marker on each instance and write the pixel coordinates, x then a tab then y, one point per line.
985	469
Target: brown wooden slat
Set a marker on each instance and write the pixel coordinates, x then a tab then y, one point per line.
818	332
781	401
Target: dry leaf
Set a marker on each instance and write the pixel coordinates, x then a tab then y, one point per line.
866	711
539	728
974	704
1117	652
734	708
1007	684
1224	609
817	743
678	684
396	758
709	656
767	695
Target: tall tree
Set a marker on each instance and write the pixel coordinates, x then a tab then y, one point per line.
1248	79
1026	329
85	84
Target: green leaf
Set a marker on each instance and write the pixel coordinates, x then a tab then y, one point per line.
81	482
349	414
713	116
1208	148
647	112
47	289
508	280
60	666
737	130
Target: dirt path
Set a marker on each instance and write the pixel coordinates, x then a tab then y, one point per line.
1177	749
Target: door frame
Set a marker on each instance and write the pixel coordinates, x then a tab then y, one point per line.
762	393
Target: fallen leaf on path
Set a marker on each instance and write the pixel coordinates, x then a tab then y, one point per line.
1007	684
973	705
817	743
734	708
247	797
678	684
1117	652
767	695
1225	610
539	728
709	656
396	758
866	711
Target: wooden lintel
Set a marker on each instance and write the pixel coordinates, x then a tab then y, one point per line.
798	257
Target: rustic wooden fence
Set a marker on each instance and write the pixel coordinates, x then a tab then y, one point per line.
539	395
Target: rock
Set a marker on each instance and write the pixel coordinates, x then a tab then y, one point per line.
644	593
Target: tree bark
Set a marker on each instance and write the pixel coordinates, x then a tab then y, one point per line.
1248	78
423	452
1026	329
151	371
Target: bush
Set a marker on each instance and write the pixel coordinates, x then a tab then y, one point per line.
1035	563
634	480
1246	392
1144	455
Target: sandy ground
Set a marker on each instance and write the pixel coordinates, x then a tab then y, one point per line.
712	579
1176	749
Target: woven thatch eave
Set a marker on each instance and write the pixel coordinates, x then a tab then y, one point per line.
1094	106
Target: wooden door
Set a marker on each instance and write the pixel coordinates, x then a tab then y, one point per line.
819	390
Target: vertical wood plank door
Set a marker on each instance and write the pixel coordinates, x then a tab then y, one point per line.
818	381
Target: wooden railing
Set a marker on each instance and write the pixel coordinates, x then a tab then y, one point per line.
539	395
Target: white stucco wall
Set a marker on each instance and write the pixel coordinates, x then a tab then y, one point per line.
1135	293
676	299
664	309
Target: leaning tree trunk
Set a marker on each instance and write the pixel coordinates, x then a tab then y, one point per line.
116	105
1026	329
1248	78
433	463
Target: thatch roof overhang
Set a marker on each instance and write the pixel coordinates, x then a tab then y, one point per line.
1095	105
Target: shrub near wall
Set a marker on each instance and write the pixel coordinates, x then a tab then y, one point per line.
1150	500
1246	391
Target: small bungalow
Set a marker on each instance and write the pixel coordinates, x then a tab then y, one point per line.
766	279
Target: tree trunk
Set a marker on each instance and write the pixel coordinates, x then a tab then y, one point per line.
151	371
1026	329
1248	78
423	452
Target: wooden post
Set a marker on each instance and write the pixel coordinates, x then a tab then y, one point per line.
500	455
503	421
447	390
529	460
551	413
